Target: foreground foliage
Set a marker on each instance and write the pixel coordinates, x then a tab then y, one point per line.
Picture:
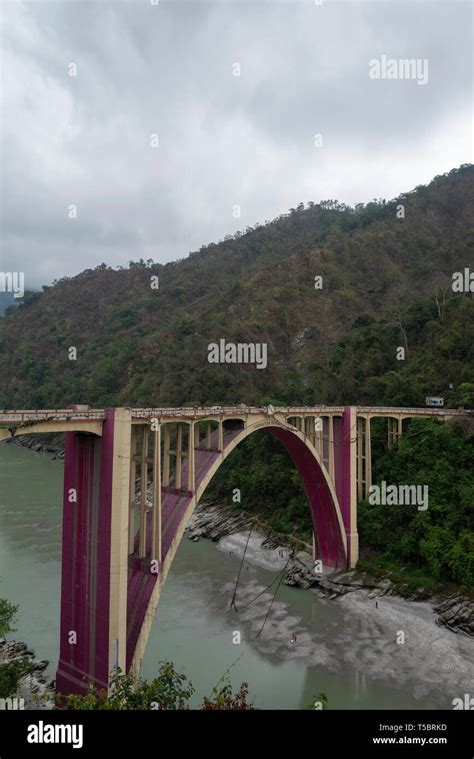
170	690
11	671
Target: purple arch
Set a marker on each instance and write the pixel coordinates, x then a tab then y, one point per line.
175	503
326	526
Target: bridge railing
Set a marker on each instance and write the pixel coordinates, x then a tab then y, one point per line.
414	411
242	410
22	416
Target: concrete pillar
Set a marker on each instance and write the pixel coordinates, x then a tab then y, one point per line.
312	430
166	455
390	432
331	448
143	488
208	436
119	541
317	438
179	445
400	428
191	465
221	435
133	474
156	514
196	434
349	499
359	458
368	458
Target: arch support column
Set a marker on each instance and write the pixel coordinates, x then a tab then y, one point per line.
368	457
349	483
360	458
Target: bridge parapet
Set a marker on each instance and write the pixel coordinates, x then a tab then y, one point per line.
396	410
22	416
17	417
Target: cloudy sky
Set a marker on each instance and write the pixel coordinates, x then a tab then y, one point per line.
225	139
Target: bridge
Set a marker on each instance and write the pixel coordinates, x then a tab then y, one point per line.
132	479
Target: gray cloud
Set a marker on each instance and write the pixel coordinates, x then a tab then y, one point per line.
224	140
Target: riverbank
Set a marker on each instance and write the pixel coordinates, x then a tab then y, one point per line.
382	636
39	445
230	529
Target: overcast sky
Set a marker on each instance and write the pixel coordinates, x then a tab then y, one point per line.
224	140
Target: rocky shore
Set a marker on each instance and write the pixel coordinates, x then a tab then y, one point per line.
454	611
38	445
35	689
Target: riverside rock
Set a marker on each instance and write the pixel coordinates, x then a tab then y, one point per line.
36	689
456	613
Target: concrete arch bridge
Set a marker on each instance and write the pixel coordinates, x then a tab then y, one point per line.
116	553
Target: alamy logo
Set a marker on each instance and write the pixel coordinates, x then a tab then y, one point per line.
463	281
12	703
463	703
399	495
42	733
237	353
12	282
403	68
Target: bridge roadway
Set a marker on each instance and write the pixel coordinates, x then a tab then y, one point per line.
18	417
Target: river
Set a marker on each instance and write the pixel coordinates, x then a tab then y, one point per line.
345	648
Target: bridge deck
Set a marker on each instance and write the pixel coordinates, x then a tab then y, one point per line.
23	417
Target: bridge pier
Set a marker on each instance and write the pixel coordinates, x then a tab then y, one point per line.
94	555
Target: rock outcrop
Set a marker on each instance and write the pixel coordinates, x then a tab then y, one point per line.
34	688
38	445
456	613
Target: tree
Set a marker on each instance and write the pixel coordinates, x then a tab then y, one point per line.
7	617
13	670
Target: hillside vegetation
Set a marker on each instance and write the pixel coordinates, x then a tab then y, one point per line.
387	283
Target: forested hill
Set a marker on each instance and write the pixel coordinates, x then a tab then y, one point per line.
387	282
